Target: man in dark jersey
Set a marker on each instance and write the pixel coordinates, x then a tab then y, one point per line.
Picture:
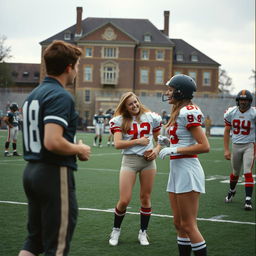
12	121
49	127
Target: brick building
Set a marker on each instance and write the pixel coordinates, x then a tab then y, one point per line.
123	55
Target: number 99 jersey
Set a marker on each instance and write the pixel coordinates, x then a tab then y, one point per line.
242	124
179	133
149	124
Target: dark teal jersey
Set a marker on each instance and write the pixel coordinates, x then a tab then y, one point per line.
13	118
48	103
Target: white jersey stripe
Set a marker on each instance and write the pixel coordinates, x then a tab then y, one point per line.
56	118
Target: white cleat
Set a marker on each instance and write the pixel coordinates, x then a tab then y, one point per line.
114	236
143	237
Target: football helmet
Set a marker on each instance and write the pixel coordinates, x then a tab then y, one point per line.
244	95
184	86
14	107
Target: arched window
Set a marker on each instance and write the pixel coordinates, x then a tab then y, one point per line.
109	73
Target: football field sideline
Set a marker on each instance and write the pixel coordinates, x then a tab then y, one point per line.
213	219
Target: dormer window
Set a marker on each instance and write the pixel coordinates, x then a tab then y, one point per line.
25	74
147	37
179	57
67	36
14	73
36	75
194	58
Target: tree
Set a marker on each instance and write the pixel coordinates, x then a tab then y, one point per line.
4	50
5	75
225	82
5	72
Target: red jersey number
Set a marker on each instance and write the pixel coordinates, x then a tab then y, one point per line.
242	127
173	136
135	131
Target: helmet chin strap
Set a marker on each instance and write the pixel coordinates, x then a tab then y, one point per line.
164	97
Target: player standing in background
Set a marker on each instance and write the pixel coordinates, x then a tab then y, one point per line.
109	115
12	122
186	179
49	129
208	125
165	119
99	123
134	128
240	121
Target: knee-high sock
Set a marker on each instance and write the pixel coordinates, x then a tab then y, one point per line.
145	214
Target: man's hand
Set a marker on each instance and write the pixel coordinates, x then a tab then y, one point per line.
167	152
227	154
84	151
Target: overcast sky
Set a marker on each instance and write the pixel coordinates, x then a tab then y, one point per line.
222	29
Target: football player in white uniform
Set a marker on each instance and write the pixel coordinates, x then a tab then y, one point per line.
134	128
240	121
186	179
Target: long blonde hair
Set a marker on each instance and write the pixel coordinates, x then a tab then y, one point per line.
122	110
176	110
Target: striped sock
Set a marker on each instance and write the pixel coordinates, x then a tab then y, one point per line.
184	246
145	214
199	249
119	216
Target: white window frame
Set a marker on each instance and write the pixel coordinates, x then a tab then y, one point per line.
193	74
88	71
67	36
194	58
159	76
206	78
159	54
180	57
88	52
110	52
145	54
147	38
144	76
87	95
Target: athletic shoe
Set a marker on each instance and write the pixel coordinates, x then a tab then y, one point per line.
7	154
94	144
143	237
114	236
16	154
108	143
229	197
248	205
100	146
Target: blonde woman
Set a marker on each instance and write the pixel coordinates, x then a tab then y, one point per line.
186	178
134	128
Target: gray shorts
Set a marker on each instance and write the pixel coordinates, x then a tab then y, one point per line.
242	158
136	163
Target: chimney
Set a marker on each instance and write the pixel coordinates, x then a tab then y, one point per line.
79	11
166	23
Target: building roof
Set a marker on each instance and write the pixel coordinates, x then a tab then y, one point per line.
136	28
25	72
187	50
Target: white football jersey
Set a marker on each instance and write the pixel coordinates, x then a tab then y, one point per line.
150	122
189	116
242	124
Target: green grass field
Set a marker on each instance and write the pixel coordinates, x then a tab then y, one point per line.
227	228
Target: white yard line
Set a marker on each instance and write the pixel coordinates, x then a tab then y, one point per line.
213	219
